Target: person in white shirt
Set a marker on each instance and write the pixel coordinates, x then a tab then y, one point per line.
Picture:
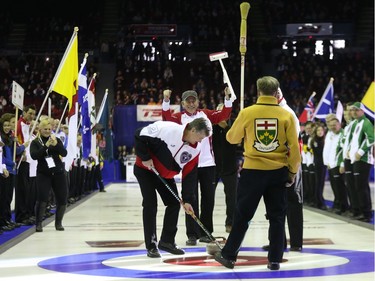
346	167
331	152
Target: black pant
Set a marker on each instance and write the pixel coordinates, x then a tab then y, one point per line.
97	178
22	193
294	212
349	181
320	175
6	198
306	186
254	184
361	172
310	193
56	182
206	179
230	190
149	184
339	189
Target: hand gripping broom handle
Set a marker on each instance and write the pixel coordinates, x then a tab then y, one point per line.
182	203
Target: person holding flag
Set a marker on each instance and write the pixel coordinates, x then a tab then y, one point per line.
65	84
23	214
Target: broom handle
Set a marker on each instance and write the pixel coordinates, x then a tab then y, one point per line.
182	203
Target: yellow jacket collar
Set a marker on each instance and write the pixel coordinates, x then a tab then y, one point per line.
267	99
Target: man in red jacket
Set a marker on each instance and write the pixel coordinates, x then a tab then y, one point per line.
206	165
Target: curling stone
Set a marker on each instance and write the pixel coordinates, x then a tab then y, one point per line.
213	246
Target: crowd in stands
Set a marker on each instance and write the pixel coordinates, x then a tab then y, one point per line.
299	75
34	73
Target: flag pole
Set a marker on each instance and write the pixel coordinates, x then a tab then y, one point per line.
62	116
101	108
93	78
15	137
49	107
309	112
75	32
72	119
88	89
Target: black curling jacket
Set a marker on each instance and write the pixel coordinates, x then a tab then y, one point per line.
39	151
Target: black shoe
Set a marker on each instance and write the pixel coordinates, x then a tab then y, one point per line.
38	227
102	190
192	241
14	224
363	218
295	249
59	227
273	266
171	248
153	253
7	228
205	239
223	261
28	222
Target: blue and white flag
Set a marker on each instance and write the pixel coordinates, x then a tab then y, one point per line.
92	114
86	125
73	117
326	104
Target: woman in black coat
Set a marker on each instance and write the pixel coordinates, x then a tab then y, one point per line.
48	151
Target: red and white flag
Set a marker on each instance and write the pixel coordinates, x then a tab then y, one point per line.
308	111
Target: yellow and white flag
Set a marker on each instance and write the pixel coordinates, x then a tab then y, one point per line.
369	101
65	80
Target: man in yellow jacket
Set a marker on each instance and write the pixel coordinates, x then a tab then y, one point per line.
271	161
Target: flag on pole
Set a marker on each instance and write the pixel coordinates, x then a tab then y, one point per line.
308	110
101	108
73	117
369	101
326	104
339	111
92	112
65	80
86	126
104	121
